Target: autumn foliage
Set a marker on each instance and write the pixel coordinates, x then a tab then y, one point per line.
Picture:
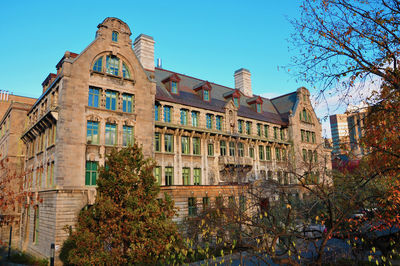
128	224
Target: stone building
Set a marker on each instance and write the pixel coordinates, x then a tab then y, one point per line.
209	140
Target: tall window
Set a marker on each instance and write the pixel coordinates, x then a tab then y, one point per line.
112	65
192	208
240	126
195	118
258	107
127	103
196	145
277	154
185	144
210	149
36	224
209	121
236	101
315	157
174	87
251	152
127	136
111	134
206	95
157	174
266	129
242	203
313	137
259	130
111	100
232	148
268	153
91	173
275	133
94	96
283	153
261	152
248	127
125	71
304	155
282	133
310	155
206	203
168	143
196	176
92	132
222	145
157	141
218	122
184	116
169	176
302	135
157	112
308	136
98	65
240	149
167	114
114	36
186	176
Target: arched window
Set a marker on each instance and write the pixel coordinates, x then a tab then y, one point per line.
125	71
112	65
98	65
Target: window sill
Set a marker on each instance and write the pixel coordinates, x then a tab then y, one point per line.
111	76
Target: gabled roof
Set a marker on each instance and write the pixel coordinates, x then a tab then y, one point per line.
187	96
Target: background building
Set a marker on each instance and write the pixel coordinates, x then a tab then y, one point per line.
209	140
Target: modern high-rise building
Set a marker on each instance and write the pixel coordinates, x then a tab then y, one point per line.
209	141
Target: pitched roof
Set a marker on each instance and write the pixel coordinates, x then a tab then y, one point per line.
187	96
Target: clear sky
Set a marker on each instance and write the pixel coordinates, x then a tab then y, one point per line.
204	39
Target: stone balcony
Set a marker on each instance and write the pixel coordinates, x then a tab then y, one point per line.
235	160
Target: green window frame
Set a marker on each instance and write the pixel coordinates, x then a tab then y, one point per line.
261	152
258	107
92	132
275	133
236	101
268	153
196	176
304	155
218	122
284	155
185	144
313	137
240	149
248	127
206	203
210	147
98	65
282	133
111	100
184	116
206	95
174	87
251	152
186	176
94	97
302	135
192	206
277	154
222	145
266	129
167	114
195	118
308	136
242	203
157	141
310	155
209	120
157	174
157	112
111	134
259	130
125	71
169	176
196	146
112	65
127	136
240	126
232	148
168	143
315	157
127	103
91	173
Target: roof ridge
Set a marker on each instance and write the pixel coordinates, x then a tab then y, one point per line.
282	95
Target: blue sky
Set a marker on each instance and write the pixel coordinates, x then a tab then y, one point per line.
205	39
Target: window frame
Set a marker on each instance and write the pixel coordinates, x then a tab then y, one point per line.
91	137
110	133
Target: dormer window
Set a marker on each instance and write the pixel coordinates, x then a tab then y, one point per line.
172	83
174	87
204	90
256	103
206	95
236	101
115	36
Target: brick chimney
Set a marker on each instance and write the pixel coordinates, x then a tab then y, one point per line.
243	81
144	50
